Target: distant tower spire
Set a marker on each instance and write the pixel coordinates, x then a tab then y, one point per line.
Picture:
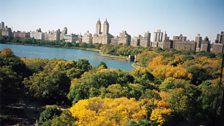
105	27
98	27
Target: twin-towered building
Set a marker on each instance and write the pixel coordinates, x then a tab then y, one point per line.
100	36
104	37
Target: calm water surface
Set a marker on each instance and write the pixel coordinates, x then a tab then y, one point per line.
68	54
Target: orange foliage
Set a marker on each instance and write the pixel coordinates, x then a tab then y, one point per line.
157	61
6	52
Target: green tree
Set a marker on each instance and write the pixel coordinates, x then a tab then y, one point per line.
7	58
143	76
48	114
10	85
116	91
103	64
90	83
83	65
136	90
199	73
209	101
172	83
12	72
184	103
150	94
51	87
65	119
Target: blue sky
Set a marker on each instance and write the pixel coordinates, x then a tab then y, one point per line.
187	17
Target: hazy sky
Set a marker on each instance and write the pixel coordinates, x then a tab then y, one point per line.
187	17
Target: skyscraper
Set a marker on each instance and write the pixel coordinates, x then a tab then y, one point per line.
102	37
105	27
98	27
198	40
220	38
2	25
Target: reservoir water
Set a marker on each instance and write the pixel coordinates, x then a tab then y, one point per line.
68	54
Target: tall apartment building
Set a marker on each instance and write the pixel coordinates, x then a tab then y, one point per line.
181	43
124	38
205	45
53	35
135	41
87	37
198	40
102	37
38	34
218	45
161	40
143	41
220	38
2	25
19	34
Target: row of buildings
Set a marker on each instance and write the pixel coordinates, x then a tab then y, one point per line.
102	36
54	35
39	35
158	39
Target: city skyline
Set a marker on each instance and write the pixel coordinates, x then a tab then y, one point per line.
187	17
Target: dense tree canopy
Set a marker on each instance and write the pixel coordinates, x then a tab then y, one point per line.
12	72
48	86
89	84
51	81
170	88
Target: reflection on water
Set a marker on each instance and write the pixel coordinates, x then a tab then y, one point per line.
69	54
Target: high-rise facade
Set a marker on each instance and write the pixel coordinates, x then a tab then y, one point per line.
205	45
102	37
98	27
143	41
124	38
220	38
2	25
38	34
105	28
218	45
87	37
181	43
160	39
198	40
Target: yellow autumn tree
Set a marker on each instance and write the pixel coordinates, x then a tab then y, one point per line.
157	61
107	112
160	115
160	112
163	71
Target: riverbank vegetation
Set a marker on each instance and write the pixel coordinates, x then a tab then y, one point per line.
167	88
